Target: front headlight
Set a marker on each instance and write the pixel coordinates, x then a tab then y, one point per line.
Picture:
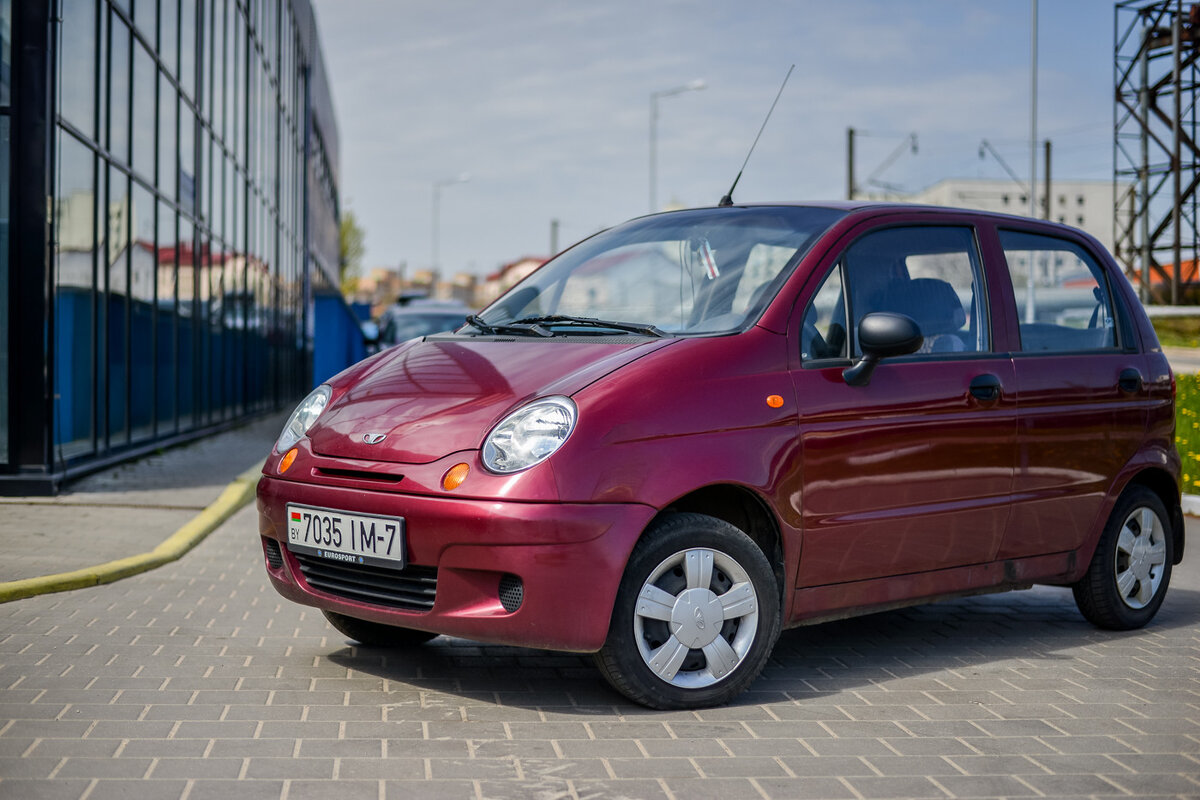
303	417
529	435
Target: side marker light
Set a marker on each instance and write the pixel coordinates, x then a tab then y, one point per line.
285	463
455	476
775	401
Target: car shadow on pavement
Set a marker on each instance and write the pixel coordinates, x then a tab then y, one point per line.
1035	637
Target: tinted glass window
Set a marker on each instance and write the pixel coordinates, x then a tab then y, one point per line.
144	74
164	341
118	114
168	169
931	274
5	50
1063	299
824	331
75	333
77	86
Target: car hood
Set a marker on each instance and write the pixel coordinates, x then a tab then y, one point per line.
438	396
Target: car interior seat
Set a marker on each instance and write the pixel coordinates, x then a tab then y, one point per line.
935	307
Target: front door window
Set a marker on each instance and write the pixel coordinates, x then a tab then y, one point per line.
930	274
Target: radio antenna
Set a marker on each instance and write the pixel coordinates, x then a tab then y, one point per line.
727	200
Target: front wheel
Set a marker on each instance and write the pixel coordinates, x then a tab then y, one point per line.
374	634
696	616
1127	579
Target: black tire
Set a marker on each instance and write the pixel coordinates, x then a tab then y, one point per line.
720	635
375	634
1131	568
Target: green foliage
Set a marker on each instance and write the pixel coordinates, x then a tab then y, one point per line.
1177	331
1187	429
351	244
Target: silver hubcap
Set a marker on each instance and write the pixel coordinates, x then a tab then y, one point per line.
695	618
1141	557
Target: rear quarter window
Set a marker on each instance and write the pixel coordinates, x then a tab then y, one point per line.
1064	299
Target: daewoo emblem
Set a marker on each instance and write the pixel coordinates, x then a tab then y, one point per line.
374	438
699	618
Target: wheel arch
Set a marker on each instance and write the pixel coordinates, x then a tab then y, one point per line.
1162	484
744	510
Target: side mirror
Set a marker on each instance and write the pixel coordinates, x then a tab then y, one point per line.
882	335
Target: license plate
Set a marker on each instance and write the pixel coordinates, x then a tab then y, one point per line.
348	538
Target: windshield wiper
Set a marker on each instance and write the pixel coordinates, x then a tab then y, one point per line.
589	322
520	328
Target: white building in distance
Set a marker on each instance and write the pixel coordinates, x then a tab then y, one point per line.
1087	205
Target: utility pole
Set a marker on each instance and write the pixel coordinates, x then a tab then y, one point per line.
1046	168
1030	299
553	238
849	163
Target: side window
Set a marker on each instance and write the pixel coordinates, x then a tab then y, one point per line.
823	334
1063	299
931	274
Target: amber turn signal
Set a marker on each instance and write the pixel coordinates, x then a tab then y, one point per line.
455	476
285	463
774	401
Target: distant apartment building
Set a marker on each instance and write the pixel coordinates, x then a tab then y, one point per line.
168	223
1087	205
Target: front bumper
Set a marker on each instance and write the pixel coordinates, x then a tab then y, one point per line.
568	558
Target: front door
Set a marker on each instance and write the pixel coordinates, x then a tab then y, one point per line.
914	471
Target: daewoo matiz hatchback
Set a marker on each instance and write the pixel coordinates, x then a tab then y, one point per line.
697	428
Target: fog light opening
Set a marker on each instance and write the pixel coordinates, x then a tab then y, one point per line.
274	554
512	592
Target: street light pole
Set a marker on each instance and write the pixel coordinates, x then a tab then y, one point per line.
1030	299
437	204
694	86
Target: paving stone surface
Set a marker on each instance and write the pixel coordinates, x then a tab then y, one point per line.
128	509
197	681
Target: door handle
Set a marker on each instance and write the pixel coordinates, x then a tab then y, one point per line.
985	388
1130	381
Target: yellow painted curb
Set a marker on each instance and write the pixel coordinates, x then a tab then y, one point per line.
235	495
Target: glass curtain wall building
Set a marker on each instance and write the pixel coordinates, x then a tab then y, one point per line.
168	212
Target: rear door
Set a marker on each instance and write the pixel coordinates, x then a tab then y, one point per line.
912	472
1082	387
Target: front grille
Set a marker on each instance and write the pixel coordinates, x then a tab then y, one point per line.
357	475
412	588
274	556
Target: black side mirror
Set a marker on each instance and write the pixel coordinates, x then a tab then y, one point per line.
882	335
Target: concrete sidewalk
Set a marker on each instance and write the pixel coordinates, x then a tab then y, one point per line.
131	517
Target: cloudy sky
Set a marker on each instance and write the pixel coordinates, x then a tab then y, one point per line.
546	105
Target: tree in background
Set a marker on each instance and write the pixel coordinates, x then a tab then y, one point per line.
350	251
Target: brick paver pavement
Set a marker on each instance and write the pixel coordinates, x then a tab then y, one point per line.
197	681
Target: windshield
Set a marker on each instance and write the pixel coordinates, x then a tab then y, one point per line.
697	272
402	326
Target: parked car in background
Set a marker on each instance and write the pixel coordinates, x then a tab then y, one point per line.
417	317
699	427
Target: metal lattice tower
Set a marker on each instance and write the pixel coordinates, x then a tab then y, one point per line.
1156	156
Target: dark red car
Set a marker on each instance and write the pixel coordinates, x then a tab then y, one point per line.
699	427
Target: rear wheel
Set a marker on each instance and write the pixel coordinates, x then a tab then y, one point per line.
1128	577
376	634
696	615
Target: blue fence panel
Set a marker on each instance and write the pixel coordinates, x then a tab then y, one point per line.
337	337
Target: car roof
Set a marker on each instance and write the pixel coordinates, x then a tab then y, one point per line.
867	207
